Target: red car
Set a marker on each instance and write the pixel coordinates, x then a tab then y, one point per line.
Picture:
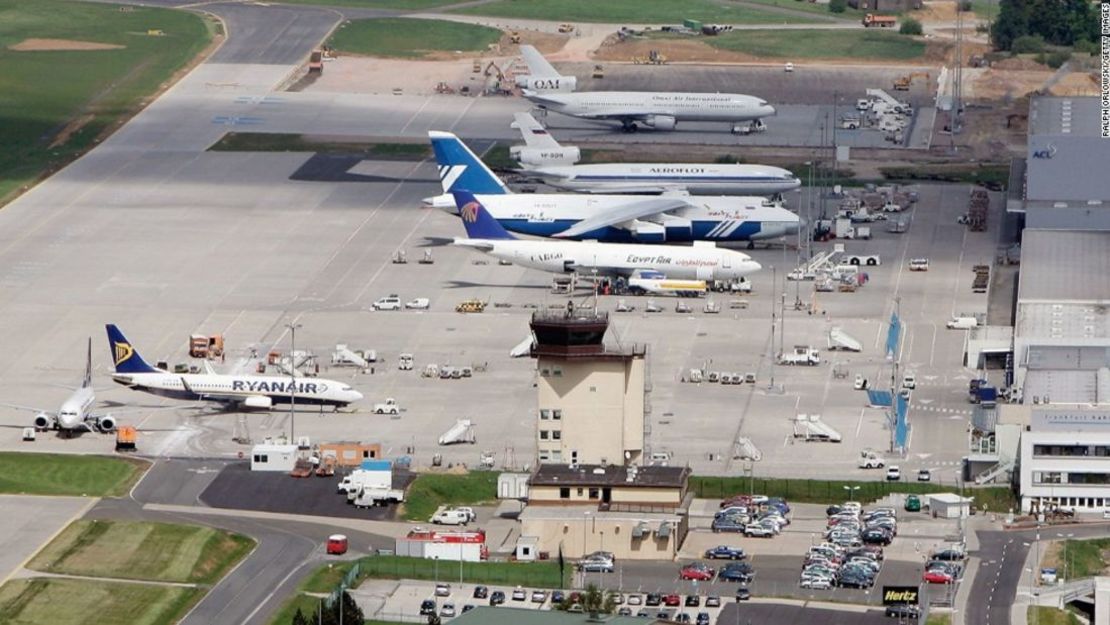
672	600
697	571
938	576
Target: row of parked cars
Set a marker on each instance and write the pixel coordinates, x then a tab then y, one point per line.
752	515
945	566
649	605
852	554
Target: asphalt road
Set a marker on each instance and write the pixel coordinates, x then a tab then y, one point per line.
273	34
783	614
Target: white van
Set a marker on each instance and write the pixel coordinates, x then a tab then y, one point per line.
451	517
962	323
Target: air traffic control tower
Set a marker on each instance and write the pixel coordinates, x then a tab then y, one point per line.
592	399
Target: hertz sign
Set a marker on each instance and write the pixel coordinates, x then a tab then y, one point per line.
896	595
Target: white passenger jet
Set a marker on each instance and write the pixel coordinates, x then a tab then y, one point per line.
702	261
246	391
542	156
76	412
658	110
667	218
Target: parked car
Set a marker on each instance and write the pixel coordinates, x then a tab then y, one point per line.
519	594
635	600
427	607
913	503
419	303
743	594
653	599
558	596
758	531
596	563
624	611
672	600
443	590
481	592
724	552
924	475
702	618
448	610
737	572
696	571
938	576
497	598
693	601
389	302
893	473
816	582
949	555
539	596
712	601
728	524
468	607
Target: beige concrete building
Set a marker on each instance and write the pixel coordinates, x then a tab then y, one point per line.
633	512
591	400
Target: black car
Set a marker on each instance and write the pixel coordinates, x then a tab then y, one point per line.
743	594
831	510
855	580
481	592
557	596
427	607
903	610
693	601
624	612
468	607
949	555
737	572
664	615
875	536
497	598
653	599
702	619
682	618
643	614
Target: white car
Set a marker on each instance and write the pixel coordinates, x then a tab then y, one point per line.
388	407
909	381
420	303
443	590
893	474
389	302
789	67
819	582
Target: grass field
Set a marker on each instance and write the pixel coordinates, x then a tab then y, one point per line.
537	574
1042	615
86	602
939	619
1084	558
997	499
66	474
965	173
44	91
817	44
431	490
411	38
812	7
149	551
631	11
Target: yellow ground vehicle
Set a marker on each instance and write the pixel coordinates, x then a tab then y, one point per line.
471	306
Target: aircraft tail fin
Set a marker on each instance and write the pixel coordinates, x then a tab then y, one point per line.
87	382
126	359
476	219
459	168
534	134
537	65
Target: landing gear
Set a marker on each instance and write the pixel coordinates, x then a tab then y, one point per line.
629	126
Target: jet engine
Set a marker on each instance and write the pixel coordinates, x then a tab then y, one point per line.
42	421
569	266
539	157
258	401
648	232
678	228
107	423
661	122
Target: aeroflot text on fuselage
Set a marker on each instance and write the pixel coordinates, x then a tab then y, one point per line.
677	170
277	387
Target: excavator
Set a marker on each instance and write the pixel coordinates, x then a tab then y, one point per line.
903	83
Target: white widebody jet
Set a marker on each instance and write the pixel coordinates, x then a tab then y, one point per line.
76	413
541	75
658	110
702	261
245	391
610	218
543	157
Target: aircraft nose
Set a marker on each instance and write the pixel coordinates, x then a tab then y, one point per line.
768	110
356	395
753	266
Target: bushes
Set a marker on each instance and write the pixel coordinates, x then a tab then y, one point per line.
910	26
1027	44
1055	58
838	6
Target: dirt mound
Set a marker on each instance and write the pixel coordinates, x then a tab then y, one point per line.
41	45
938	11
679	51
1021	63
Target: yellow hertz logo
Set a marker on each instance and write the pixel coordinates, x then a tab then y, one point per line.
123	352
470	212
900	596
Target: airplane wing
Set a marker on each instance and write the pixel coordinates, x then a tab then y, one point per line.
221	397
535	135
625	212
537	65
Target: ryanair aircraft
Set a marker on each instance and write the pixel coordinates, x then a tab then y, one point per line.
244	391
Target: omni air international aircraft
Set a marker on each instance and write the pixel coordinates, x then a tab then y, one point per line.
608	218
245	391
702	261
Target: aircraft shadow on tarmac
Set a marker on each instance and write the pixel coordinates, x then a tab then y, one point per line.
336	168
462	284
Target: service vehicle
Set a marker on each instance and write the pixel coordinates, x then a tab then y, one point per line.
451	516
389	406
389	302
420	303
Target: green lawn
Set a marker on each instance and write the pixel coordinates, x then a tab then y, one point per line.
967	173
1042	615
1084	557
812	7
137	550
41	91
631	12
939	619
65	474
996	499
816	44
431	490
411	37
536	574
86	602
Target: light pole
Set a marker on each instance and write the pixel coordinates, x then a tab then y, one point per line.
851	491
1066	538
292	327
585	523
